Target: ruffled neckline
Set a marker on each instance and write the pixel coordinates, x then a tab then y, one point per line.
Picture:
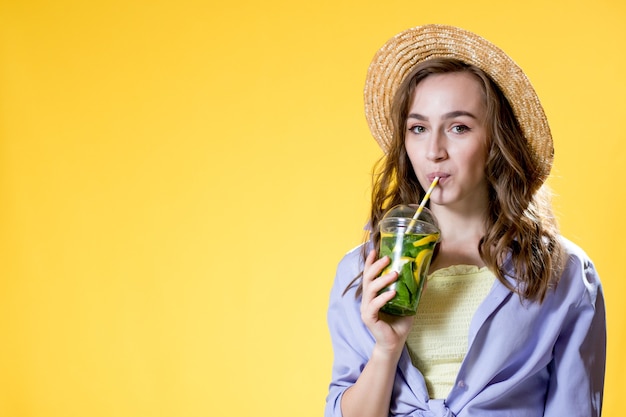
455	270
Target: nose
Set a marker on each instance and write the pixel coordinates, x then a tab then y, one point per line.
437	147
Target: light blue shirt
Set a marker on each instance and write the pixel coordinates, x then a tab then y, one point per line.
525	359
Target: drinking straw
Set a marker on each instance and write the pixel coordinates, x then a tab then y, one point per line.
423	203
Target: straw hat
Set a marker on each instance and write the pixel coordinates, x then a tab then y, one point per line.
403	52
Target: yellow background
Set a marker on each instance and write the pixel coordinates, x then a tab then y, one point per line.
178	180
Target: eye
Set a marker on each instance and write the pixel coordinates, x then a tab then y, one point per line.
460	129
417	129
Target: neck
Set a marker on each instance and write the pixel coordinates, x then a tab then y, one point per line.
458	225
460	235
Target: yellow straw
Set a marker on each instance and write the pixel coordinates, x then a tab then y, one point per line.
423	203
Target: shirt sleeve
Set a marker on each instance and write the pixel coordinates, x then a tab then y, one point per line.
350	339
578	365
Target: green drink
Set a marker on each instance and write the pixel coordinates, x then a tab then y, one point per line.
409	244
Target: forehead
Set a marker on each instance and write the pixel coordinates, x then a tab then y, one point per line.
449	91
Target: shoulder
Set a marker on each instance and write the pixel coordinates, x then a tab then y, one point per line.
349	267
576	259
344	315
579	277
572	250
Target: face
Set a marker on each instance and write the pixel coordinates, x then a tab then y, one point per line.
446	137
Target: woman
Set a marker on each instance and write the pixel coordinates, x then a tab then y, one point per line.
512	321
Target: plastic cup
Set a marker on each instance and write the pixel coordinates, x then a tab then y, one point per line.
409	244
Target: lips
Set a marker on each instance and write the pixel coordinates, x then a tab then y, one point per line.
442	176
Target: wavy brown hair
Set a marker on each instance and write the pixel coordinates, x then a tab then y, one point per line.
520	222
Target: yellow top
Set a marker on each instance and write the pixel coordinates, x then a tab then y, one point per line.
439	338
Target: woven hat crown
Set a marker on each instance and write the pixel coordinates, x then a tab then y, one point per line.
397	58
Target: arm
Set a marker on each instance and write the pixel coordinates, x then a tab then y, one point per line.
577	370
371	393
367	346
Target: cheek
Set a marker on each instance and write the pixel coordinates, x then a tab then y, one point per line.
414	152
477	163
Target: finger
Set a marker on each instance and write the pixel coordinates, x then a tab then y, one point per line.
375	289
370	275
382	281
370	258
379	301
373	270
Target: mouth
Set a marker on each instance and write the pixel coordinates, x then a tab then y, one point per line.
442	176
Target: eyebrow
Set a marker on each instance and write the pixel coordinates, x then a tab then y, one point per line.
450	115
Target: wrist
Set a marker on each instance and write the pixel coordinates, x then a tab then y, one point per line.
386	354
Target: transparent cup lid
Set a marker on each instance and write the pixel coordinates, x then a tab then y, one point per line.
408	211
